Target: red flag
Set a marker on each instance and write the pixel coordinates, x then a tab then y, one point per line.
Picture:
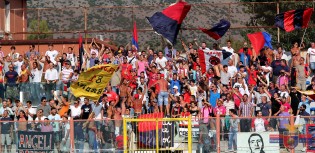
258	41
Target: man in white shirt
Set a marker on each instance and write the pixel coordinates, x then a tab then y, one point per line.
161	61
71	57
36	78
30	111
231	68
51	77
76	109
131	59
18	64
310	57
51	53
228	48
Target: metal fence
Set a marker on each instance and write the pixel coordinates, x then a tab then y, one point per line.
162	134
116	22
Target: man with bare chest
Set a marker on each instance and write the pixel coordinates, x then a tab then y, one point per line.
123	90
163	93
24	78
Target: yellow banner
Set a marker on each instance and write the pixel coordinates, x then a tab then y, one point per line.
92	82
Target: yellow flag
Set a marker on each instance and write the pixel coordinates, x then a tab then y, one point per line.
92	82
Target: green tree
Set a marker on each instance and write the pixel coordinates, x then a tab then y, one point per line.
264	15
43	28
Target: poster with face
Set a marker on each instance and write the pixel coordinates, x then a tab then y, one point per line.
251	142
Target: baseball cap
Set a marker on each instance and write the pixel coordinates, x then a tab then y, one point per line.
175	87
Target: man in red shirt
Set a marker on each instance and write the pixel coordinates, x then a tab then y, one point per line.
125	69
111	95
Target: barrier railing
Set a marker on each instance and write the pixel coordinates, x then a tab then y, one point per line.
214	134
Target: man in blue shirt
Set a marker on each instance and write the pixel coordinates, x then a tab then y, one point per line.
214	95
175	82
11	78
305	100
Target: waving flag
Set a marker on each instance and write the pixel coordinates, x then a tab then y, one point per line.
211	57
167	23
218	30
259	40
293	19
91	83
147	130
135	36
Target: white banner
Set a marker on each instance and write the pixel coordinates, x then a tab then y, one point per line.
251	142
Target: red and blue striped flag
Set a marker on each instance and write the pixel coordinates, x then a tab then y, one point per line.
293	19
135	36
168	22
218	30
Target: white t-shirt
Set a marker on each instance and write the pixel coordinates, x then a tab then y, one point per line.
17	66
243	90
311	52
51	74
267	74
132	60
31	111
54	122
232	70
231	50
259	125
71	58
75	111
36	75
193	90
161	62
52	55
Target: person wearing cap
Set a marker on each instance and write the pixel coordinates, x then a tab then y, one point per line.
175	89
66	76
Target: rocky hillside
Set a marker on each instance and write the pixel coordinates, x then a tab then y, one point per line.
118	15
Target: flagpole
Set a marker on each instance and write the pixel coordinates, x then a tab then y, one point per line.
278	33
303	37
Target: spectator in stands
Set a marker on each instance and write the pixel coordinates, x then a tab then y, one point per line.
51	77
52	54
246	110
46	126
234	128
11	83
259	124
6	131
55	122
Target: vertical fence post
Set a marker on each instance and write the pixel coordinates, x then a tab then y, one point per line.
72	134
189	135
125	135
157	135
218	128
292	125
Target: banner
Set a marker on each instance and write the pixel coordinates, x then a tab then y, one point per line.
256	142
92	82
35	142
211	57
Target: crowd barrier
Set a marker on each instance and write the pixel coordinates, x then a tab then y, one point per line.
191	134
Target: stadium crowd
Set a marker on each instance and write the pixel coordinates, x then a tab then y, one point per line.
246	84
